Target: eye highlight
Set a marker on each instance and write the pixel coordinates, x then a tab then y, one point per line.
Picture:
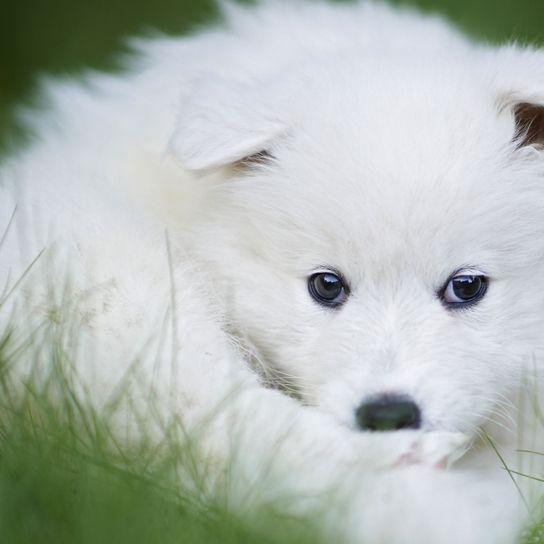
327	288
465	288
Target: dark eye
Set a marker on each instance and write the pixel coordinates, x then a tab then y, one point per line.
465	288
327	288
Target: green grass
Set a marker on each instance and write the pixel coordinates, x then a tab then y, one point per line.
66	478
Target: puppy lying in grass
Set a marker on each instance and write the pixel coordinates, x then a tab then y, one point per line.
312	237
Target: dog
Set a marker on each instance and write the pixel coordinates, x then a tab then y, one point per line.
321	223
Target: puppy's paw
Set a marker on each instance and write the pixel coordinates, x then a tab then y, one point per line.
435	449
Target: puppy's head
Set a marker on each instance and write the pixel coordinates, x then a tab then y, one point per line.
379	239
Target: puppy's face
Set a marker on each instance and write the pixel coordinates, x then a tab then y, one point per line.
384	260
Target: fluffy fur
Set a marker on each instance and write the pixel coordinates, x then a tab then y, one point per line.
145	215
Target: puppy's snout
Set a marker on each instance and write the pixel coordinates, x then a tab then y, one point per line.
388	413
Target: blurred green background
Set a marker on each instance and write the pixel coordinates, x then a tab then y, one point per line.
55	36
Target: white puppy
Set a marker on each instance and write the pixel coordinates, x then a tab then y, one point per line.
343	204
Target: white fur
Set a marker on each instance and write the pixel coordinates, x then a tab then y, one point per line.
395	162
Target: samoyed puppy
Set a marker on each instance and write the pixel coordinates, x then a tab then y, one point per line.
320	228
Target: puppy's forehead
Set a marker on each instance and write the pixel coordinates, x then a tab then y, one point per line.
418	122
404	164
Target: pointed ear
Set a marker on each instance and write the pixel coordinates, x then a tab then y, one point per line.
223	122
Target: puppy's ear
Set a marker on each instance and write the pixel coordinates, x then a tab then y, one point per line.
529	124
224	122
521	91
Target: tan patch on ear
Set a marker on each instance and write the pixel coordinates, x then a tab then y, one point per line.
529	124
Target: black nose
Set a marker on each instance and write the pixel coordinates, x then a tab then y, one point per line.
388	413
